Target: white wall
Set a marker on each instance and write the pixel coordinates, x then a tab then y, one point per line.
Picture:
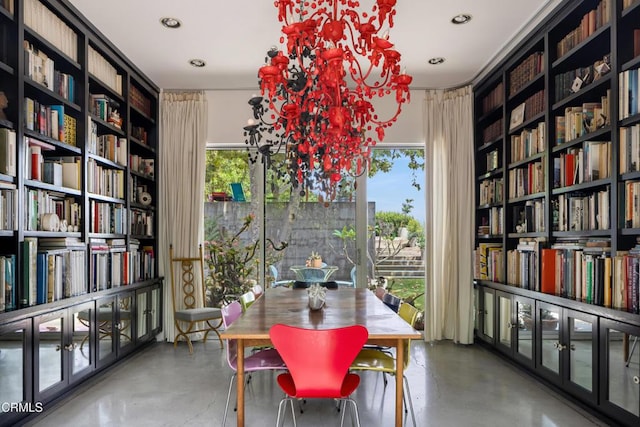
229	112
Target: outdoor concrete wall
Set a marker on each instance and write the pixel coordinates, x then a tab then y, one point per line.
312	230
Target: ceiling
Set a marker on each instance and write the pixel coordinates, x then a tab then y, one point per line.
233	37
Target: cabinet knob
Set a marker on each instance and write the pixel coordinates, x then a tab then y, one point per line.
70	347
58	347
510	325
636	379
559	346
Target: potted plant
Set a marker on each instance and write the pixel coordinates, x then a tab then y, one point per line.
314	260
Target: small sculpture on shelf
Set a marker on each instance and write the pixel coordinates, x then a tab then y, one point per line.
115	119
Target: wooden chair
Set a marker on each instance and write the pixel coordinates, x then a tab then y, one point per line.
190	316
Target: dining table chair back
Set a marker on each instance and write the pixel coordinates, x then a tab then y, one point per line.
318	361
190	315
380	360
262	360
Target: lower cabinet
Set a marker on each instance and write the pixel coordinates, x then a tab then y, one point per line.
63	351
15	374
515	327
568	343
620	356
50	349
589	352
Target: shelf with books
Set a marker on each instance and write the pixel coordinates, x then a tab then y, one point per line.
581	92
68	62
595	43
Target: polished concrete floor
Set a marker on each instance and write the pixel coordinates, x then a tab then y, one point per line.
451	385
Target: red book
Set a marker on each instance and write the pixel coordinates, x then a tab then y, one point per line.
548	274
636	42
569	169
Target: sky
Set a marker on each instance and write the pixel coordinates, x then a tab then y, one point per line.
390	190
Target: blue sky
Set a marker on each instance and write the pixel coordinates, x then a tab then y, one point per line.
390	190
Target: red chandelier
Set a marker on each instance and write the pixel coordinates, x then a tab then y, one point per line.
317	97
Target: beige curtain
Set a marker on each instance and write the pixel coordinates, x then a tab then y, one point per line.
450	215
183	126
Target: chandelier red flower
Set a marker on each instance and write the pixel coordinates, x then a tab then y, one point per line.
317	98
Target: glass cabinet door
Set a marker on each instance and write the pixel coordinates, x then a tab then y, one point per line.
504	321
487	314
124	322
105	321
81	349
156	311
142	314
525	329
14	349
620	393
49	356
581	350
548	328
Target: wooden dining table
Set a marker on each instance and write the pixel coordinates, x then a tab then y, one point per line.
344	307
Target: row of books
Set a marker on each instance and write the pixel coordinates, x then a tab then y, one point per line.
141	223
109	146
588	163
7	152
7	5
64	171
46	23
529	217
529	179
41	69
8	297
574	80
108	218
523	265
627	3
140	133
8	203
488	263
493	99
630	205
105	181
40	202
112	264
493	131
629	149
493	160
51	271
629	99
526	71
589	24
581	120
580	212
491	191
534	105
528	142
139	101
102	69
492	223
50	121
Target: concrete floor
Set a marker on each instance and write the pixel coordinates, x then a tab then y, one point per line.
451	385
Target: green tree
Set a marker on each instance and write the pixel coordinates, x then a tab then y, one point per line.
224	167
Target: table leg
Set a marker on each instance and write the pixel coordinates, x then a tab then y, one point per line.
399	381
240	382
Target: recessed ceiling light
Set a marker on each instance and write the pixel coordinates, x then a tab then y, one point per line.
462	18
199	63
170	22
436	61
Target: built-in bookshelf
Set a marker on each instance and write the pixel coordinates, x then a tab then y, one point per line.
78	225
563	142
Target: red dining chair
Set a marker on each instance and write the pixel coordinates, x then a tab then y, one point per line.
318	361
262	360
